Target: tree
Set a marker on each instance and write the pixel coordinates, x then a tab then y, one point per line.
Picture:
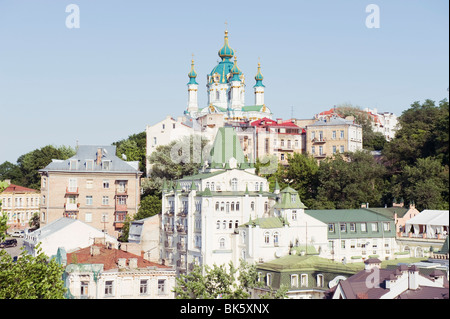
347	184
31	162
150	206
29	277
134	148
223	281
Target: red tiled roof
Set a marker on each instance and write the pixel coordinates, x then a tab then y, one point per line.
108	257
268	122
18	189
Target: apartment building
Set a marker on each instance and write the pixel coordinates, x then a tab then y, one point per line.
279	138
94	186
19	204
328	136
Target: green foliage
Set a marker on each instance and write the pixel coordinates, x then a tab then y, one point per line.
25	173
150	206
29	277
224	281
133	148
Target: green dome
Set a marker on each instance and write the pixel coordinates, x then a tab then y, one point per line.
258	76
235	71
192	74
226	52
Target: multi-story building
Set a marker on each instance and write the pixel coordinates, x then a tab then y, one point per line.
355	235
326	137
279	138
227	213
94	186
385	123
19	204
100	272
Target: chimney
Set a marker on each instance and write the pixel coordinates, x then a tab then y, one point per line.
438	276
413	277
372	263
99	155
122	262
95	250
133	263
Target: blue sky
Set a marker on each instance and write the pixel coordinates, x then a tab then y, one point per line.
127	64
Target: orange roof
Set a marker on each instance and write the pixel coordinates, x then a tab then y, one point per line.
18	189
108	257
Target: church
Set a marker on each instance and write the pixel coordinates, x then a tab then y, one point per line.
226	91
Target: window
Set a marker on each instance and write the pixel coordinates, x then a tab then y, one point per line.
282	157
294	215
89	183
212	186
218	224
84	289
313	150
234	184
304	280
334	135
293	198
109	288
275	239
105	200
104	217
155	140
222	206
106	184
237	206
342	149
217	95
374	227
289	144
207	184
161	286
363	227
386	226
236	224
343	227
294	281
89	165
282	142
334	149
268	279
222	243
296	143
106	165
320	281
89	200
331	228
252	206
73	164
230	224
266	238
232	206
352	227
88	217
320	150
228	207
73	185
143	287
342	134
343	244
217	206
224	224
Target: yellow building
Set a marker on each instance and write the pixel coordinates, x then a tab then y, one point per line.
328	136
19	204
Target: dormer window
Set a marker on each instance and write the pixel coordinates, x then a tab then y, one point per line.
89	165
293	198
106	165
73	164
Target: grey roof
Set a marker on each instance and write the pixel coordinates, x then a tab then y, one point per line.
89	152
335	120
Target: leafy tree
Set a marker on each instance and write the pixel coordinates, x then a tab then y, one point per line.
29	277
150	206
134	149
224	281
10	171
347	184
31	162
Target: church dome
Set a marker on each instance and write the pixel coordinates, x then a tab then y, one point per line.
226	52
192	74
259	77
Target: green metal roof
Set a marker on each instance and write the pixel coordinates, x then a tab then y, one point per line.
202	175
269	222
390	211
226	145
346	215
287	201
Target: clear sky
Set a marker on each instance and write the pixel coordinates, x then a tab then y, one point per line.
127	64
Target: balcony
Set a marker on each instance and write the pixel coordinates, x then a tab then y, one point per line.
72	214
322	155
168	245
119	219
318	140
182	213
71	207
168	228
121	207
71	190
121	191
181	246
181	229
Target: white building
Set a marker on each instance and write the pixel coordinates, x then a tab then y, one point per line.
385	123
98	272
68	233
205	216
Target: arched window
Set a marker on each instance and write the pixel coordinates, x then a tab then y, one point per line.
256	186
207	185
320	280
224	224
232	206
228	207
275	238
217	206
212	186
218	224
222	206
217	95
230	224
222	243
252	206
236	224
266	237
237	206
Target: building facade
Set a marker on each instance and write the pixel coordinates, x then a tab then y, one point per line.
20	204
327	137
94	186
